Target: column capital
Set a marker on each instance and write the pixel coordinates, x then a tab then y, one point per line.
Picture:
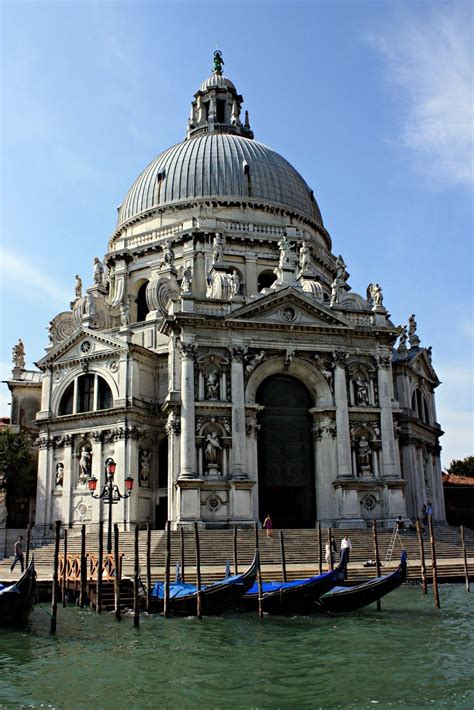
340	358
187	351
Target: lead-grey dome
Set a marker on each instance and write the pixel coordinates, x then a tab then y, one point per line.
220	165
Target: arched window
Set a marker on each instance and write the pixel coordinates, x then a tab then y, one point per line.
87	393
142	305
420	406
265	280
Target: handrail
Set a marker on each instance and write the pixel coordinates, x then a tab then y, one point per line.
72	568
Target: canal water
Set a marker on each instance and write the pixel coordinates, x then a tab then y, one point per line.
407	655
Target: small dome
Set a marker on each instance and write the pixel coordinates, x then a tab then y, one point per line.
217	81
222	166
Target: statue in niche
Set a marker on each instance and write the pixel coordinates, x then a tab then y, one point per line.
218	248
187	280
285	248
255	361
78	286
212	447
168	254
124	315
18	354
212	385
363	453
85	464
98	271
374	295
59	474
305	257
144	468
362	391
234	283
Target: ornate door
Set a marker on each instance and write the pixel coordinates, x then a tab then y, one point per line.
286	479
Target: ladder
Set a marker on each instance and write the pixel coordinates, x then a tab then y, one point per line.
391	545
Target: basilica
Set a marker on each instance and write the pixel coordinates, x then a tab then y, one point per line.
219	356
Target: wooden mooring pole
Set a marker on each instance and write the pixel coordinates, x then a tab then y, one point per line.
54	591
198	573
320	550
166	596
331	564
181	532
100	565
148	566
424	586
136	605
28	544
433	563
117	576
282	555
259	573
82	590
236	561
64	577
466	570
377	556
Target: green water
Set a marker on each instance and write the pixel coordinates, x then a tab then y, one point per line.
408	655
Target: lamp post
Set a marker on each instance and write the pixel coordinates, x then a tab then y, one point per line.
110	493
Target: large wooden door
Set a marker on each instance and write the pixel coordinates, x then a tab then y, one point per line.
286	480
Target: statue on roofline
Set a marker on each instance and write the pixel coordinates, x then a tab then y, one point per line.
218	62
18	354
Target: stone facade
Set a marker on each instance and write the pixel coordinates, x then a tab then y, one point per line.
218	280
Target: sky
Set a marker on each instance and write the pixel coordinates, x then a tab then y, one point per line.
372	102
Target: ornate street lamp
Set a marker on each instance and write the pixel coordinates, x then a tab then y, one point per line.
110	493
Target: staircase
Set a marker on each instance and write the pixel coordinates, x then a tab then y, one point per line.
301	552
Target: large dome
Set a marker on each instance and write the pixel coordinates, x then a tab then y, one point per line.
219	165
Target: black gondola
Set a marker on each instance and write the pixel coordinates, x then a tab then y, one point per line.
215	598
360	595
18	599
297	597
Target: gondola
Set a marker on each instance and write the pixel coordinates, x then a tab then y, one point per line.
297	597
360	595
215	598
18	599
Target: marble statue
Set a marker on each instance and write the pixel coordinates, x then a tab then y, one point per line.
78	286
218	62
212	385
168	254
59	474
218	248
90	305
255	361
374	295
124	315
187	280
85	464
98	271
144	468
363	455
403	337
18	354
412	325
305	257
212	446
284	247
362	391
234	283
338	285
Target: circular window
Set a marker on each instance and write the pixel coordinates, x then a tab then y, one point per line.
288	314
85	346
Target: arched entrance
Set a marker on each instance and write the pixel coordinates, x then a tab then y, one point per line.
286	481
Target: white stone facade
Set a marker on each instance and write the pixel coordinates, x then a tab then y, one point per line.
164	363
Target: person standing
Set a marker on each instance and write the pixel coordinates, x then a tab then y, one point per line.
346	545
429	509
18	554
268	525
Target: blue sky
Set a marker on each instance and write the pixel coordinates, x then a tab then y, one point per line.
370	101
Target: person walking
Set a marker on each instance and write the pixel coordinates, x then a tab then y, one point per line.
268	525
18	554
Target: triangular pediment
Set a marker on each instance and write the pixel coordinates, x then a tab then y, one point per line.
82	343
421	364
289	307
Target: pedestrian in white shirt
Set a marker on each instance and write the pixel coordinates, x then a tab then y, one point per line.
346	544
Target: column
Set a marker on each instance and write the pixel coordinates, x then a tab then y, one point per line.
342	416
68	481
238	415
43	494
386	417
251	286
97	471
188	446
199	272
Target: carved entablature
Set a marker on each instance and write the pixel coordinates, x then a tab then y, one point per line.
173	424
212	377
362	385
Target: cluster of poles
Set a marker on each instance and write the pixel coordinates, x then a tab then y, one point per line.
60	585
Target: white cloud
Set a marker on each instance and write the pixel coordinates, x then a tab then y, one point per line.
429	56
19	274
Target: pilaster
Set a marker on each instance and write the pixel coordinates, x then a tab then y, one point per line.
342	416
238	415
385	383
188	446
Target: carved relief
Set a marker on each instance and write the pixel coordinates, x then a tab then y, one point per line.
253	360
59	479
326	368
85	463
144	468
324	431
